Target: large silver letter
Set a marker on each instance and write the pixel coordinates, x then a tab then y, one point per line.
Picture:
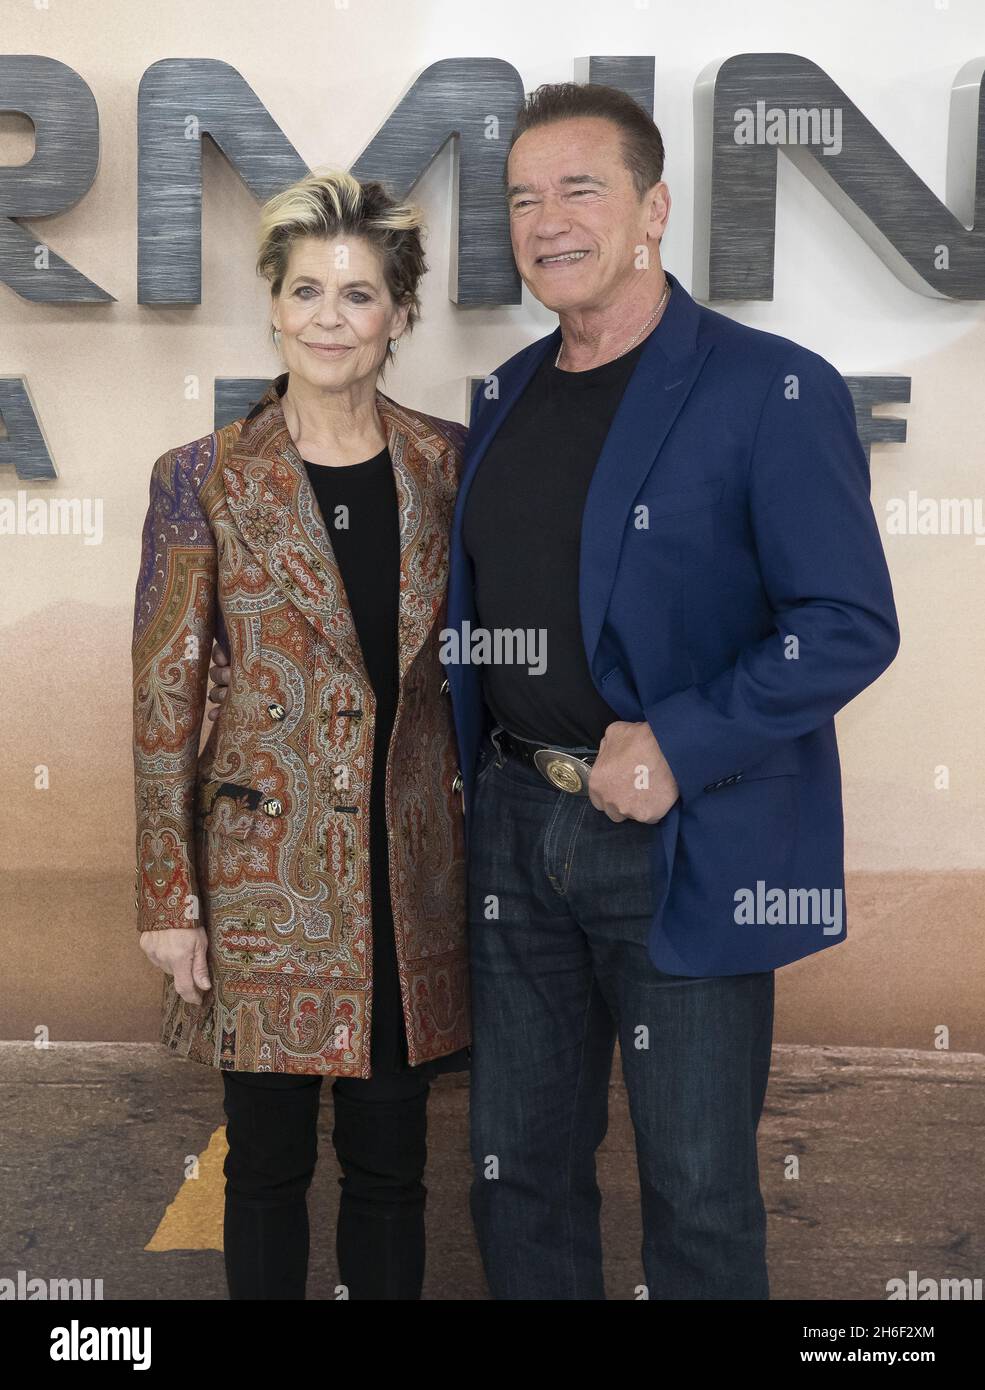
476	99
24	446
750	106
179	101
66	155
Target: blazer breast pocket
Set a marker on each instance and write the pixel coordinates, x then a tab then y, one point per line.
683	499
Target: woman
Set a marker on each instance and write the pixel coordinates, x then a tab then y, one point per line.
311	540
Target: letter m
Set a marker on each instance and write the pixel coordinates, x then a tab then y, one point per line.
182	99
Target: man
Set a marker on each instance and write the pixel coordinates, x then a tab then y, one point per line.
676	507
679	505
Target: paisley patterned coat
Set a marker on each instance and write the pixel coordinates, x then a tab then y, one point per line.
263	837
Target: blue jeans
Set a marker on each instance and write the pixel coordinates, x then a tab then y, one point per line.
560	903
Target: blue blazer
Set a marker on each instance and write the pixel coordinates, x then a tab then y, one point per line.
734	595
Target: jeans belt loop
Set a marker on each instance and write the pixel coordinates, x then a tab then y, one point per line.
494	735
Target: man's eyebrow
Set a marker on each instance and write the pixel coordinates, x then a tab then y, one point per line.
516	188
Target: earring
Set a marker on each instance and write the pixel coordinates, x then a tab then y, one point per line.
393	344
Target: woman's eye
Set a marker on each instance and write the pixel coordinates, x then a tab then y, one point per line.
359	297
301	288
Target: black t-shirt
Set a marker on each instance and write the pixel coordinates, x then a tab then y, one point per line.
522	528
367	549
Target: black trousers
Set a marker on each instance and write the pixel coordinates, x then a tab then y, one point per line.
380	1139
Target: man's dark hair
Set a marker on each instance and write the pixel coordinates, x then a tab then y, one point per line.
642	147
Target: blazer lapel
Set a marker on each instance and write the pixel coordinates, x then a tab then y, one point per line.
424	503
274	506
661	382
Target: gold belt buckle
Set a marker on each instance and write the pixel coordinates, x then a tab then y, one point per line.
563	770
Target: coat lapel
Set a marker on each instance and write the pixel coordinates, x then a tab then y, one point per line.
660	384
274	507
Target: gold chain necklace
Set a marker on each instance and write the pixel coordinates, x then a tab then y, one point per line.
663	301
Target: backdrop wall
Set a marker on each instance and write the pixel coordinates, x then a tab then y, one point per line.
114	385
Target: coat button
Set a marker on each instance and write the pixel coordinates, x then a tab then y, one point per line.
271	807
276	711
457	785
444	687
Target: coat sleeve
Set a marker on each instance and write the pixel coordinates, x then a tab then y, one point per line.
173	627
823	568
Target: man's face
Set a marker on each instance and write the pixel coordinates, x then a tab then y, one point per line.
576	222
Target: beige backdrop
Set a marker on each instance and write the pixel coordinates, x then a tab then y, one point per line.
115	385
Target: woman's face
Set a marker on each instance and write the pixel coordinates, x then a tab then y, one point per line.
335	312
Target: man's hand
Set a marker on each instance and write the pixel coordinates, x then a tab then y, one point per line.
631	779
181	952
220	675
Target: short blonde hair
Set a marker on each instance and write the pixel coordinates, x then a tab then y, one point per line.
330	203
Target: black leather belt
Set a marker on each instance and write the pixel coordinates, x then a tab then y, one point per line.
566	771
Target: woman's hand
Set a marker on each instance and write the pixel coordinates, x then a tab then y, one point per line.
181	952
219	675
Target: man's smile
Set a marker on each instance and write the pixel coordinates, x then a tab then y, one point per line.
562	258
